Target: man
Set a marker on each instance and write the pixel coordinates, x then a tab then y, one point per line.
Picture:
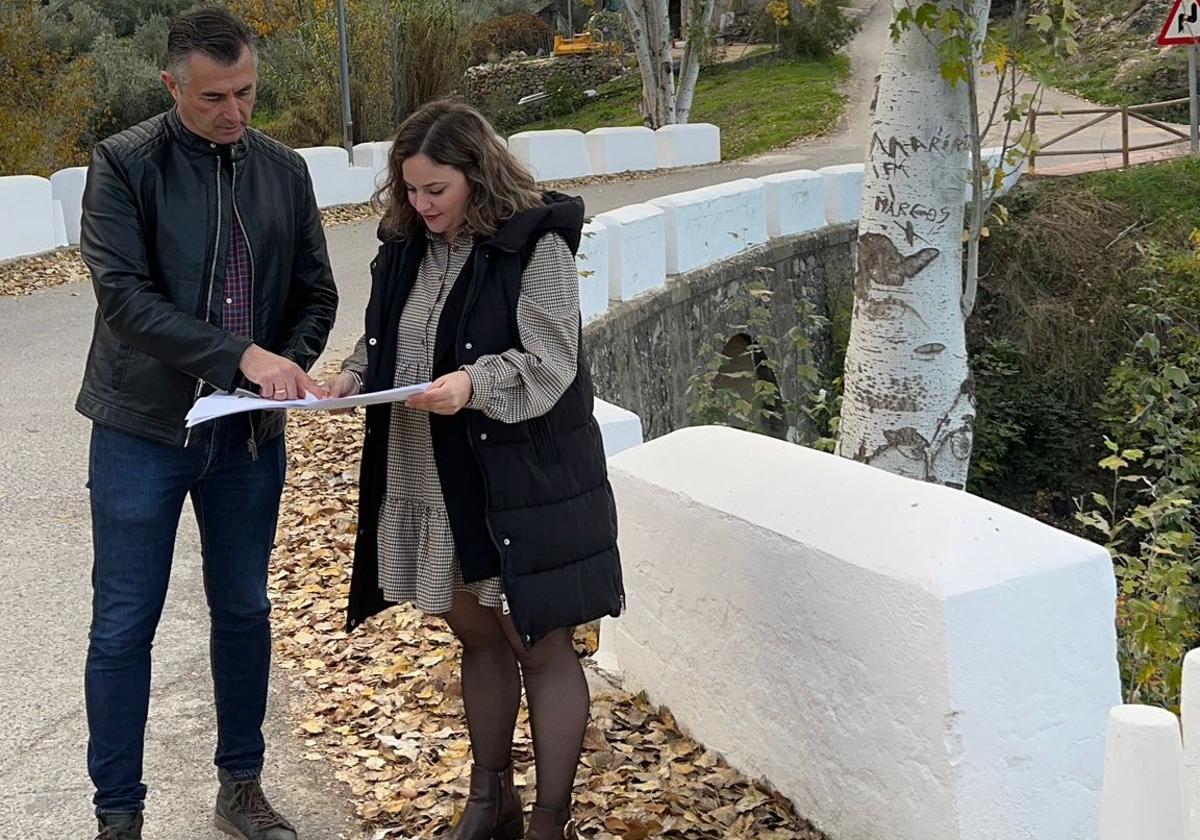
209	264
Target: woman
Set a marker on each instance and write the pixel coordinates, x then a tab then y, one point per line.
485	499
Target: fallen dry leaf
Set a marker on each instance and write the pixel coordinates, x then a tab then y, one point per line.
383	706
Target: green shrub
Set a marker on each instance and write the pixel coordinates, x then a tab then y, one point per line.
1150	519
1027	436
496	38
815	28
129	88
564	95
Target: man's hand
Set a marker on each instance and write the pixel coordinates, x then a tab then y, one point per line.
447	395
277	378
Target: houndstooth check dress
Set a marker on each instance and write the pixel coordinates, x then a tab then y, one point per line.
418	562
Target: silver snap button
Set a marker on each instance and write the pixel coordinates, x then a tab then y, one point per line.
371	341
469	345
229	300
507	541
483	436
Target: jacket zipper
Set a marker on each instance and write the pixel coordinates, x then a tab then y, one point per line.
487	491
212	277
252	444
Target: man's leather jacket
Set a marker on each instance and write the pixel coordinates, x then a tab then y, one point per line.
157	211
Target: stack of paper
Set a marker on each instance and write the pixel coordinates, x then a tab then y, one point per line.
223	405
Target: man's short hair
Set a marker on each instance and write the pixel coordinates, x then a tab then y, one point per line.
209	30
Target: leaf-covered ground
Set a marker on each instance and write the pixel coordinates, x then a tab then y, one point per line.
384	708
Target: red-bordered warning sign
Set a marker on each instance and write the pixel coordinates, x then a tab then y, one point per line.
1183	24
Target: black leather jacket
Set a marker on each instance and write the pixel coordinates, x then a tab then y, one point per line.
157	211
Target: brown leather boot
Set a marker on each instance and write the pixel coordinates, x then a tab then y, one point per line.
547	824
493	809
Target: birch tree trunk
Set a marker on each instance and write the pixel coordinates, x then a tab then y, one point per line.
697	32
909	403
650	28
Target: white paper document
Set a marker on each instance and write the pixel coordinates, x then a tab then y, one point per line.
223	405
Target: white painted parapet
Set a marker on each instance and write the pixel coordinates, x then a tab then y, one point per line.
902	660
688	145
1191	738
67	186
620	429
335	181
843	192
795	202
1143	777
552	155
592	263
27	216
714	223
374	156
625	149
60	226
637	249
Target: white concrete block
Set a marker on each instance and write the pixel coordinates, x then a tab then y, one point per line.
624	149
714	223
1191	737
335	181
795	202
621	429
843	192
592	263
27	224
904	661
60	226
1143	778
374	156
67	186
637	250
688	145
552	155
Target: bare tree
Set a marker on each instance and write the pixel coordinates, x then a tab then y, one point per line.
663	102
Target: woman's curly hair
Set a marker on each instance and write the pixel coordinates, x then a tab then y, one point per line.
452	133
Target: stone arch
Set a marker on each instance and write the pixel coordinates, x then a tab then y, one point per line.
744	355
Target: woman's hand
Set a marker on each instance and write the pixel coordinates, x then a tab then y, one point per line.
447	395
342	385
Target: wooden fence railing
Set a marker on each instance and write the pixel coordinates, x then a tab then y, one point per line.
1127	114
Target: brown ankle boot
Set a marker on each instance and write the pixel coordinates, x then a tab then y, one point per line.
547	824
493	809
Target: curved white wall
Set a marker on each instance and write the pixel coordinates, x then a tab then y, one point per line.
904	661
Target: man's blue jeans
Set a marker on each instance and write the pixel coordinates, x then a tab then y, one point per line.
138	488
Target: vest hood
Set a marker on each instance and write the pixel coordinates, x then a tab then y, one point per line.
561	214
558	213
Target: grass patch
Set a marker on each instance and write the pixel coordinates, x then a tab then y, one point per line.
759	106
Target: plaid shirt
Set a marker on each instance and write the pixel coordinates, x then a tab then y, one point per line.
237	316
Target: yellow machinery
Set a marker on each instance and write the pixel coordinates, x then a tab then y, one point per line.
582	44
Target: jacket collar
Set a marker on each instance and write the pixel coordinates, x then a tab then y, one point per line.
197	145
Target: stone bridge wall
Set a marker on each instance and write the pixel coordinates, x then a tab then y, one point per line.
644	351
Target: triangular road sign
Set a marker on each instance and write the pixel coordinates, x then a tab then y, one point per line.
1183	24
